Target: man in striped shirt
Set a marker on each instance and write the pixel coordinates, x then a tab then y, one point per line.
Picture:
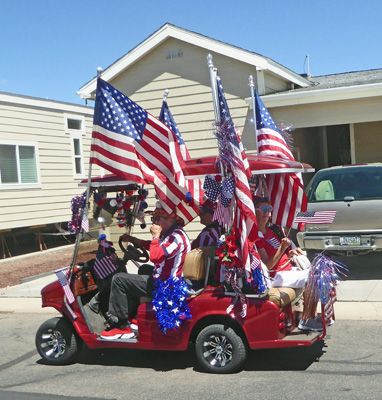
212	231
168	250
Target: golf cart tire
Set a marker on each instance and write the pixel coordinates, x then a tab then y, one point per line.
220	350
56	342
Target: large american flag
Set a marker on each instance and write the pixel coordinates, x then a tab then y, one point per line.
316	217
286	190
131	143
184	210
235	160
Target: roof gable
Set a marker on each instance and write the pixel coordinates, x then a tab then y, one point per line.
171	31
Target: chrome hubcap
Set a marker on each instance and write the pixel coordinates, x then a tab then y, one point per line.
217	350
53	343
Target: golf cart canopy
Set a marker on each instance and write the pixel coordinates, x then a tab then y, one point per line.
202	166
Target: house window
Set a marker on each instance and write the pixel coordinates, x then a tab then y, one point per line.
75	124
75	127
174	54
18	164
77	154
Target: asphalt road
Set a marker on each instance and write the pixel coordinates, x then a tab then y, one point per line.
347	366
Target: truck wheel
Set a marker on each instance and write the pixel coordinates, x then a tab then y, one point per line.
57	342
220	350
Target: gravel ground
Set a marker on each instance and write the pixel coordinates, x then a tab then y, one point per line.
12	271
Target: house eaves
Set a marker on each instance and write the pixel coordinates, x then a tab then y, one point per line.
211	45
10	98
294	98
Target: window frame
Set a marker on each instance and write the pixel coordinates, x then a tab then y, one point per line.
19	184
76	134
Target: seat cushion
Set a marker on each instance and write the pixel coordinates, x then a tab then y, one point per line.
283	295
193	268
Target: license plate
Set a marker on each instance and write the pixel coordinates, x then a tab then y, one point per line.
350	241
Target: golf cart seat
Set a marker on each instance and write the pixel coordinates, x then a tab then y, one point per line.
196	268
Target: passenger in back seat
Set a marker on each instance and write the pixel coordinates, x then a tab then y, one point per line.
276	255
210	235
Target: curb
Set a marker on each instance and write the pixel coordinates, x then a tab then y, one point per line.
344	310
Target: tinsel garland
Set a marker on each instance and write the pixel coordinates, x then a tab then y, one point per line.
77	205
287	136
170	303
323	278
226	136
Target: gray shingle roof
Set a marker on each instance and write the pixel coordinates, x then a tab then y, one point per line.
342	80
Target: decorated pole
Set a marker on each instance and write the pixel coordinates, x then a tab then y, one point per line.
252	86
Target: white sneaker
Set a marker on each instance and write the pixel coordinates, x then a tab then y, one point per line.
310	325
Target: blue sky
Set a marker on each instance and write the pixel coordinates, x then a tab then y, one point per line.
50	48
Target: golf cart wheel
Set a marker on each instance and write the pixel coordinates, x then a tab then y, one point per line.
57	342
220	350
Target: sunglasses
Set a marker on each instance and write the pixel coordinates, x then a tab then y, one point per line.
264	209
156	219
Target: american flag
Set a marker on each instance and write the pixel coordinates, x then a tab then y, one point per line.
184	210
233	156
316	217
131	143
167	118
61	276
274	243
85	224
286	190
103	265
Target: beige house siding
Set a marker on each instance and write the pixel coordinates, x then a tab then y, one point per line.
329	113
190	99
48	201
368	142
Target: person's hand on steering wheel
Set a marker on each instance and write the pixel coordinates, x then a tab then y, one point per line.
136	252
127	238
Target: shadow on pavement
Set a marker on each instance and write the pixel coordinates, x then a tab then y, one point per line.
290	359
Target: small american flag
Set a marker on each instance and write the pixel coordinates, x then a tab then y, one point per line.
274	243
103	265
316	217
61	276
222	215
85	224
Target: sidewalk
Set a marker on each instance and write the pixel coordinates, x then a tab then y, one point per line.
357	300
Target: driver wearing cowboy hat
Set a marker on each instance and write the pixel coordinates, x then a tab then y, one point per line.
168	249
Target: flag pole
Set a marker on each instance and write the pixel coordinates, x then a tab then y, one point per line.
87	203
213	87
252	86
165	94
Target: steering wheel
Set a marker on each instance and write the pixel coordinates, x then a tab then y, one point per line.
135	253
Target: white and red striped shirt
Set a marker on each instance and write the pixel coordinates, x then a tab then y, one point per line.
168	254
208	236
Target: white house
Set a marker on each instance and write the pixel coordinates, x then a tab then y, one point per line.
44	150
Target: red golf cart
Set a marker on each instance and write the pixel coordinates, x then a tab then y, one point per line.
221	340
